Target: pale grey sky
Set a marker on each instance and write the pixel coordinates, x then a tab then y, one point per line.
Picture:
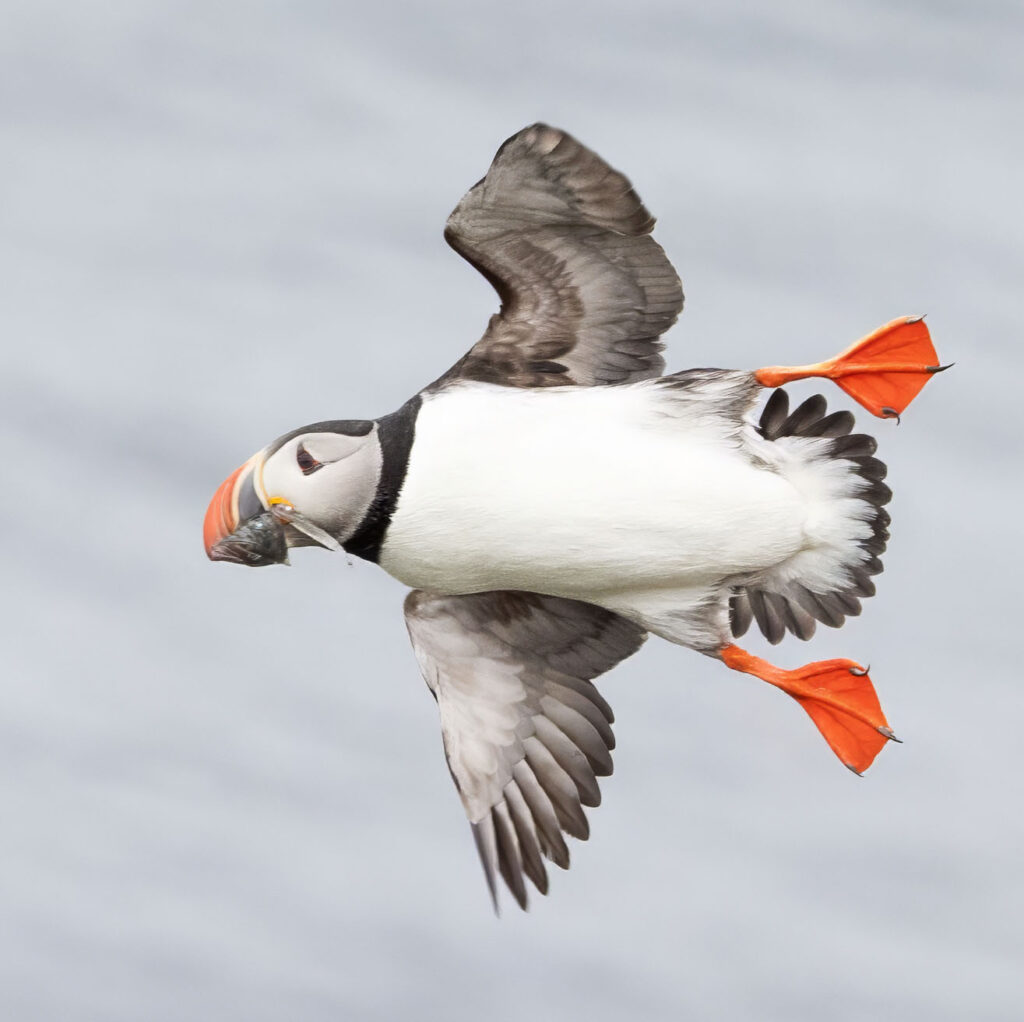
223	790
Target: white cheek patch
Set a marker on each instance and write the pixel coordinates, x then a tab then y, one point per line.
328	503
330	447
281	477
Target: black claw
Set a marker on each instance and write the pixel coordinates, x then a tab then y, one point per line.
891	413
853	770
916	319
940	369
859	672
886	732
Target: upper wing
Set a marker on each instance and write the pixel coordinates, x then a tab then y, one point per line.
585	291
525	732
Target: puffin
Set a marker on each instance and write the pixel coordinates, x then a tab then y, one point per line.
554	498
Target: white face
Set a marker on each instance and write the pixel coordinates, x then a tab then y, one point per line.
330	479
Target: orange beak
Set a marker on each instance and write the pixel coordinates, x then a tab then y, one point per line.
223	516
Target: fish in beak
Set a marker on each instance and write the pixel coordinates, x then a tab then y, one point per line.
238	528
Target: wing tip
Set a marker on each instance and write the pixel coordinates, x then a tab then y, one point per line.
486	846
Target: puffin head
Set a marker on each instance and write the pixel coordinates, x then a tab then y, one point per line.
313	485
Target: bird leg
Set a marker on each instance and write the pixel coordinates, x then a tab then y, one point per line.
884	371
837	695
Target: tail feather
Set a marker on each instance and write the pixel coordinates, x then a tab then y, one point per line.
826	583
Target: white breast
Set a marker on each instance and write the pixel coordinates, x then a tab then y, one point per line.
579	491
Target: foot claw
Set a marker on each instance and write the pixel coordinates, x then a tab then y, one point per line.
939	369
853	770
886	732
890	413
860	672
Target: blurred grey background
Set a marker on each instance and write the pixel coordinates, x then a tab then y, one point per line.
223	794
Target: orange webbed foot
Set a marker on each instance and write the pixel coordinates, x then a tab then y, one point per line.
837	695
884	371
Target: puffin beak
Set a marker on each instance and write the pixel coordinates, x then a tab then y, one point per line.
238	527
222	514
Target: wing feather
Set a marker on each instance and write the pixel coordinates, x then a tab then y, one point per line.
570	758
585	292
525	732
583	735
526	831
570	698
559	787
487	848
545	818
510	861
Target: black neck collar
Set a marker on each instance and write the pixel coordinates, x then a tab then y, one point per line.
396	433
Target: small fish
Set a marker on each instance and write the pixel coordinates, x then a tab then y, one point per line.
284	512
257	541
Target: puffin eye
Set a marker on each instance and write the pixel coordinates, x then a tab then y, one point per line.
306	461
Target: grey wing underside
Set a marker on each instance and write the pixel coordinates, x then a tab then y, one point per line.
585	292
526	734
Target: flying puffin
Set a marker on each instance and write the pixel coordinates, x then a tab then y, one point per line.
553	498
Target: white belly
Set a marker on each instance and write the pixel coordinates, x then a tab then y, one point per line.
581	492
